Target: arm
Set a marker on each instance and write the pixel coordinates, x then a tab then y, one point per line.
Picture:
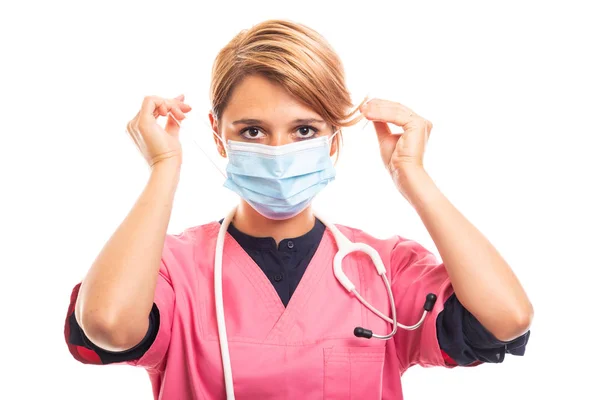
465	341
482	280
117	293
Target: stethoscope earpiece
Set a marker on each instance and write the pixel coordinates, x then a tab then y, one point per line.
429	302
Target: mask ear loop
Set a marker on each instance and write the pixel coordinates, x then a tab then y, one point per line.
200	147
369	98
217	136
366	120
332	136
330	139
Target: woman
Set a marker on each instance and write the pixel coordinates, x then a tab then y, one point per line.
278	102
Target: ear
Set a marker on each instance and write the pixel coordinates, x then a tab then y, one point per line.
215	127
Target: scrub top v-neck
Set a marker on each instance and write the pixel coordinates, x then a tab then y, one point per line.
284	264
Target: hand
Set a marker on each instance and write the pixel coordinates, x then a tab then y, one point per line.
155	143
402	152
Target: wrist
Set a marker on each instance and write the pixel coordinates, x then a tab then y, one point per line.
167	170
415	184
172	164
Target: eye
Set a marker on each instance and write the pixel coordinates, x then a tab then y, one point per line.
306	132
252	133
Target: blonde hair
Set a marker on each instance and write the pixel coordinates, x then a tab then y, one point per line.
292	55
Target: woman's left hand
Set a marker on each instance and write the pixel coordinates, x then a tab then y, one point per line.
402	153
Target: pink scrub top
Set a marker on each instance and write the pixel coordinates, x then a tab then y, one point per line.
306	350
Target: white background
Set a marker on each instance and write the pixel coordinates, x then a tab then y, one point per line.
512	90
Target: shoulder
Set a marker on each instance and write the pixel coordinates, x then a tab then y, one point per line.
182	250
359	235
192	235
398	249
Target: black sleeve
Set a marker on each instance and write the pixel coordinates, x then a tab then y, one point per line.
77	338
464	339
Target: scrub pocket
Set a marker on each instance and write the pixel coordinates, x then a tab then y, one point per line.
353	372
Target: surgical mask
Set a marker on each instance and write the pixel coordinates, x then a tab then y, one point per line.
279	182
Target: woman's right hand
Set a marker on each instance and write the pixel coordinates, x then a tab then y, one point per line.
155	143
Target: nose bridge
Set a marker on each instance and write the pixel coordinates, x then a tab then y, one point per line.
279	137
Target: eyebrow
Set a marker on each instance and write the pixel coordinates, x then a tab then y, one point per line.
252	121
247	121
308	121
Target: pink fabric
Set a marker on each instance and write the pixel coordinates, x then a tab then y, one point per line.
306	350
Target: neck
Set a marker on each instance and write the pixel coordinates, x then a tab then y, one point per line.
252	223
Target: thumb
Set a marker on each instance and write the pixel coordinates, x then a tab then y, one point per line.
382	129
172	126
387	141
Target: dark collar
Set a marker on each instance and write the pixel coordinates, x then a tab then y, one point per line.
300	243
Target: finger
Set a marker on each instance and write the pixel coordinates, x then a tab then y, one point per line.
161	110
176	111
382	129
387	111
173	110
174	118
150	104
182	106
164	109
173	125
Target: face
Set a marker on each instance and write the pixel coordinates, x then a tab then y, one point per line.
260	111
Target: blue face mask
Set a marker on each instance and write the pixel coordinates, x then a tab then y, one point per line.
279	182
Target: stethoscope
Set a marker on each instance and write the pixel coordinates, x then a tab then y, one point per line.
345	247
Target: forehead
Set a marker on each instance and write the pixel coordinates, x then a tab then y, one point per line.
257	97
